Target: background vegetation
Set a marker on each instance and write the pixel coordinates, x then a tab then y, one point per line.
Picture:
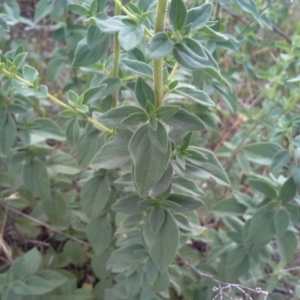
59	81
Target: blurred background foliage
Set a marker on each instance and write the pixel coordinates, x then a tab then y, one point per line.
254	131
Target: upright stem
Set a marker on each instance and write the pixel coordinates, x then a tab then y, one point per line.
115	70
158	63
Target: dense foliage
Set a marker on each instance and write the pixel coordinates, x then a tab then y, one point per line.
149	149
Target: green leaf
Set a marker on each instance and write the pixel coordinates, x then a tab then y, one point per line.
137	67
44	283
163	245
288	191
144	92
78	9
89	144
217	75
110	25
48	129
129	205
281	222
161	284
249	6
135	119
195	95
166	111
8	132
115	116
159	138
187	203
99	233
156	219
130	37
229	207
29	73
151	270
26	265
190	55
86	56
186	186
94	195
149	162
4	24
56	279
110	156
55	208
93	36
287	245
263	187
36	179
236	256
43	9
19	60
230	97
177	14
184	121
199	16
261	226
280	159
163	184
295	170
159	46
211	166
261	153
72	133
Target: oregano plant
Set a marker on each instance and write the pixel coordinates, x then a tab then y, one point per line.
115	165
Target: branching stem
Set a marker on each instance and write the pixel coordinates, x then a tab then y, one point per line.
117	49
158	63
57	101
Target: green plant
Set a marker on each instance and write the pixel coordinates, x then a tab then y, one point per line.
132	144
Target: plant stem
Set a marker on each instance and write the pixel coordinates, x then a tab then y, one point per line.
119	4
117	49
57	101
173	71
158	63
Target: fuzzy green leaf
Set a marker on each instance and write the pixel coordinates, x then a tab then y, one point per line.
159	138
261	153
177	14
149	162
94	195
288	191
129	205
199	16
187	203
185	121
162	246
43	8
281	222
36	179
115	116
156	219
144	92
8	132
195	95
160	46
99	233
130	37
72	133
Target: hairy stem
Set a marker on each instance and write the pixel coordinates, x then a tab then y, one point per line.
57	101
158	63
117	49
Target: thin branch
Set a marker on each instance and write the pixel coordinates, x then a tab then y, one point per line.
221	287
45	225
57	101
